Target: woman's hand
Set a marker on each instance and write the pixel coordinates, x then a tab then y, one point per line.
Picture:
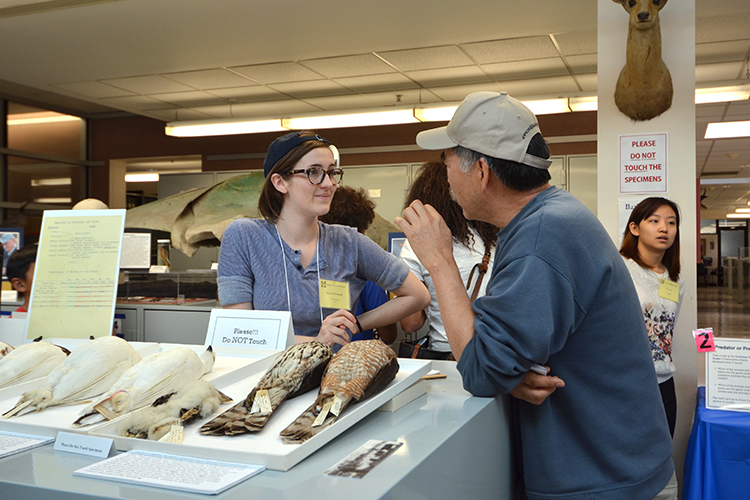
333	330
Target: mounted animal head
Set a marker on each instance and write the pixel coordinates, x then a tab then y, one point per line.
643	13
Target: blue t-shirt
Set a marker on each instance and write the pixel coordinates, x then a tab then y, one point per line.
560	295
255	266
372	297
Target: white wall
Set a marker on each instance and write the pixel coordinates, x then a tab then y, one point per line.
678	45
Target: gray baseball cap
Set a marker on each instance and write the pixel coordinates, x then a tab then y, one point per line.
490	123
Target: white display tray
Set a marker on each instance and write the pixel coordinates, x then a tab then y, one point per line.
50	421
266	447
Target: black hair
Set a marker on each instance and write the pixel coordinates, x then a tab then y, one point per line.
19	262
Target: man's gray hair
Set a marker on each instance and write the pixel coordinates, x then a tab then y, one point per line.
466	157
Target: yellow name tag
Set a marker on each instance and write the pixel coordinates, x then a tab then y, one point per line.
669	290
334	294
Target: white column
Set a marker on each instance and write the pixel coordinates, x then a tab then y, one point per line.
678	52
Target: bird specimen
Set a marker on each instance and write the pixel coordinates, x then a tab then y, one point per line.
90	370
298	370
155	376
30	361
195	400
359	370
5	349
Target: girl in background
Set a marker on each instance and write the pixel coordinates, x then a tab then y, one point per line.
651	250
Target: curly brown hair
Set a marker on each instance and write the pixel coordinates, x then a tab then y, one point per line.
431	187
350	207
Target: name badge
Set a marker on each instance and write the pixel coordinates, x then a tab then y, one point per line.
334	294
669	290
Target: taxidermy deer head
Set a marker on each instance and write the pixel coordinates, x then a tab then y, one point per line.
644	89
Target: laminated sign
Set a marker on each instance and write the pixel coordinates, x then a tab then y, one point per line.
643	163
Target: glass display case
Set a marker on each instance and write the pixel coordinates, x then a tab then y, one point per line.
176	287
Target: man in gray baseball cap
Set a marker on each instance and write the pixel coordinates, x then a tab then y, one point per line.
559	296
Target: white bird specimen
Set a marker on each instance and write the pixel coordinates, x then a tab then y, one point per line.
90	370
5	349
155	376
359	370
198	399
30	361
298	370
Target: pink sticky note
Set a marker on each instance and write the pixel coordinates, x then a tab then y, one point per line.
704	340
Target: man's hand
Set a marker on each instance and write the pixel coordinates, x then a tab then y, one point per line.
535	388
427	233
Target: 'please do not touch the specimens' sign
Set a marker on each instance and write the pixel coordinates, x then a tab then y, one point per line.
643	163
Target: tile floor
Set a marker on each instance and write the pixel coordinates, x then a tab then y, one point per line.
717	308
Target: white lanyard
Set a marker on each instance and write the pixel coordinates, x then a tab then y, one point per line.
286	274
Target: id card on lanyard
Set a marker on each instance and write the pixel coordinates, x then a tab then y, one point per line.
334	294
669	290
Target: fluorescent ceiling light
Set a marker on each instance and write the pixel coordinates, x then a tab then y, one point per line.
201	128
52	200
548	106
742	210
722	94
64	181
363	119
437	114
738	216
35	118
727	130
589	103
147	177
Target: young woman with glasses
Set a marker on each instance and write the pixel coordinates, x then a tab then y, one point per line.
290	261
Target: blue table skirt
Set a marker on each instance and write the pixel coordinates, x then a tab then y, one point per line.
717	464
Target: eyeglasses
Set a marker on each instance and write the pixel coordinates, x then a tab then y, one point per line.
316	175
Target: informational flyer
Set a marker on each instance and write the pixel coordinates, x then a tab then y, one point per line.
192	475
643	163
12	443
728	375
75	278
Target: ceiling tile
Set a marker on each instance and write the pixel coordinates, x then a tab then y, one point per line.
275	108
315	88
375	83
717	52
179	114
187	99
403	97
277	72
539	86
720	28
586	63
341	67
449	76
152	84
209	79
447	56
739	110
247	94
456	93
512	49
577	43
718	71
93	89
526	69
139	102
588	82
352	101
710	111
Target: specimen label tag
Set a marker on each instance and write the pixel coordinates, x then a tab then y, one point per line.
323	414
336	407
174	435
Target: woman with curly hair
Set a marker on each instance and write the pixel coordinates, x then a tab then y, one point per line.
651	250
473	243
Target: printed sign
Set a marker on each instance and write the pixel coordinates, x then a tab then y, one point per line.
250	328
704	340
643	163
728	375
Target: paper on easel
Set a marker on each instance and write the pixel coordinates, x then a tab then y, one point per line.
76	273
172	472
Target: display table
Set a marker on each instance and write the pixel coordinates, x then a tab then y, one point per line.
717	464
455	446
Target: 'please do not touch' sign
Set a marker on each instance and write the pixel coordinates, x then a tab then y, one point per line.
643	163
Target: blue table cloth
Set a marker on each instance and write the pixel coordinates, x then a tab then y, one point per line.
717	464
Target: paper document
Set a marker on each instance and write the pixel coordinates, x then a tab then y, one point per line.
12	443
173	472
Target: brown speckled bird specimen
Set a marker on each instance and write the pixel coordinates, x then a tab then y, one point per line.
359	370
298	370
